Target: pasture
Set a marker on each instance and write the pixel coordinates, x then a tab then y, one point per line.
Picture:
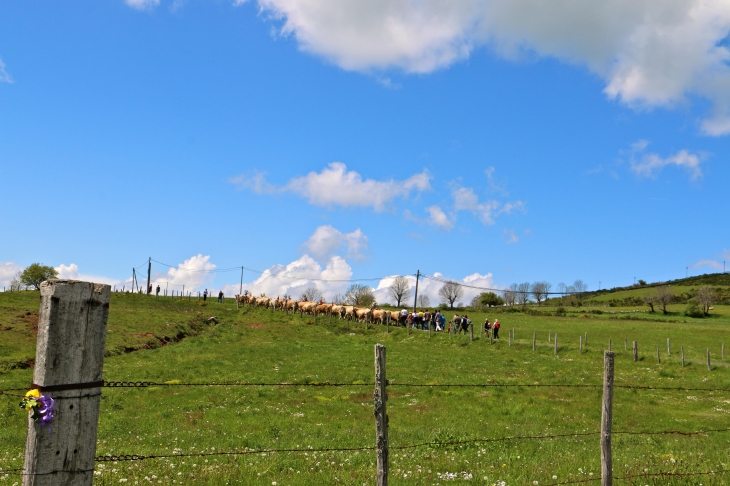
171	341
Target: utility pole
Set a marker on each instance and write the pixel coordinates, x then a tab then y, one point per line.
240	289
415	299
134	280
149	273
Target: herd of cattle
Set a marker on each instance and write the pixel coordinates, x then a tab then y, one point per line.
346	312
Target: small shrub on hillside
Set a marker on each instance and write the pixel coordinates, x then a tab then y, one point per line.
560	311
693	310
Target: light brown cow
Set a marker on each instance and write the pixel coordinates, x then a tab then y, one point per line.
380	316
364	315
339	311
350	313
323	309
307	307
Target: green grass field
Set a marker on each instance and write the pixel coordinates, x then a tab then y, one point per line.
161	340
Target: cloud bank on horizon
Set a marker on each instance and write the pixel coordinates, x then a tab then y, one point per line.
648	53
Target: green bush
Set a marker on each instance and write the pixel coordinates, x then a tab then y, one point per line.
693	310
560	311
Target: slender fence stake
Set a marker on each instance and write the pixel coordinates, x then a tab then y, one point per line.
606	419
682	356
636	352
669	348
580	344
387	324
709	365
69	351
534	341
556	344
722	356
510	337
658	359
381	418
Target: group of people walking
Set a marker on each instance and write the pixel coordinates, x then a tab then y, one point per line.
426	320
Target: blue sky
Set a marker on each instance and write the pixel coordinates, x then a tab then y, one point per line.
347	140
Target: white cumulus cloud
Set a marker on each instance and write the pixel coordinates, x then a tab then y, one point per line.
647	164
142	4
487	211
71	272
438	217
192	274
297	276
7	272
326	241
431	287
337	186
648	52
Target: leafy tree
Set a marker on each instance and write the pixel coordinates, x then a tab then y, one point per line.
487	299
642	282
650	300
450	292
693	310
37	273
400	290
360	295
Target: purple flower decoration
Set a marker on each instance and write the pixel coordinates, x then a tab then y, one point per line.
45	410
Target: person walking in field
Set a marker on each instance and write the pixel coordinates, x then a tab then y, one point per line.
495	329
487	327
205	295
157	290
220	297
457	323
465	322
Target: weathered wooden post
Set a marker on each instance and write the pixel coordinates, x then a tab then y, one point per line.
669	348
381	417
606	418
387	324
709	365
534	341
626	343
636	352
510	337
722	355
68	368
682	356
549	338
556	344
580	344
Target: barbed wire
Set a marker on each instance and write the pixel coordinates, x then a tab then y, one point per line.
147	384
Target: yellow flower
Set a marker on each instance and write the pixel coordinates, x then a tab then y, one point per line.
33	394
30	403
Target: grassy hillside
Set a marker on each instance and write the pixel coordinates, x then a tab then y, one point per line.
255	345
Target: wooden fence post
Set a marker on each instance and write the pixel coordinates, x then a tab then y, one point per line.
636	352
381	418
534	341
669	348
549	338
580	344
658	359
68	368
722	355
709	365
510	337
606	418
387	325
556	344
682	356
626	343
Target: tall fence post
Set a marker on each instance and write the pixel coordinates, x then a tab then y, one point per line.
722	355
381	418
682	356
549	338
68	368
556	344
669	348
709	365
580	344
606	417
626	343
636	352
387	324
609	345
510	337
